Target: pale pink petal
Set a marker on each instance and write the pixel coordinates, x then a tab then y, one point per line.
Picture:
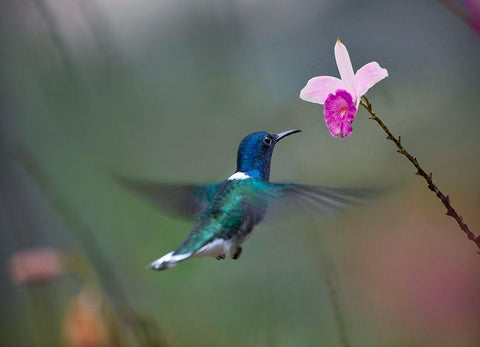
367	77
343	63
318	88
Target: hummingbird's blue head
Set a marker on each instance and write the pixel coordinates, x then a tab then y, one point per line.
255	153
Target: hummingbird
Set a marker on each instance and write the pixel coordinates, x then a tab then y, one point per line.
227	213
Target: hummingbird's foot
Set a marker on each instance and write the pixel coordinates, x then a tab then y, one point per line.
220	257
237	253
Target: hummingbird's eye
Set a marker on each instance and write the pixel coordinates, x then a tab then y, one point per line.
267	140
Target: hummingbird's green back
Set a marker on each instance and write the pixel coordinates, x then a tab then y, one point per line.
237	207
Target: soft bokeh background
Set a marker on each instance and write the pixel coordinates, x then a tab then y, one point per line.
165	90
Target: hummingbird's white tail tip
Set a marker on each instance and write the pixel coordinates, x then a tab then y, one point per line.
168	260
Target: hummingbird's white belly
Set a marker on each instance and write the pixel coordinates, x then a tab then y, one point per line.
221	247
214	249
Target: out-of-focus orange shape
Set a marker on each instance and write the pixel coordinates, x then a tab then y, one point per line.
84	326
36	265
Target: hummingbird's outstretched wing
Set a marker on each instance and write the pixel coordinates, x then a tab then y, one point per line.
292	199
183	201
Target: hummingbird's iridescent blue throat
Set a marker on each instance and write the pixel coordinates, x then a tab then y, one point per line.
255	153
227	213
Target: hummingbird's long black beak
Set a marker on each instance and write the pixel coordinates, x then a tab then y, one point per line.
280	136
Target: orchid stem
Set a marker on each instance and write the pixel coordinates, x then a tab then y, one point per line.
445	199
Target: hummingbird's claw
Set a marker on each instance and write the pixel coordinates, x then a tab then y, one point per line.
237	253
220	257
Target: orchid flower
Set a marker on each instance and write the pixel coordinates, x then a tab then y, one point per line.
341	97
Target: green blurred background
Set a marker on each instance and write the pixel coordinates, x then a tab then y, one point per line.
165	90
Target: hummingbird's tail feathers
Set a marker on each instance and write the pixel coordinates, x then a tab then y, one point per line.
168	260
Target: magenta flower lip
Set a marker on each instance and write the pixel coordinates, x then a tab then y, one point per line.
339	113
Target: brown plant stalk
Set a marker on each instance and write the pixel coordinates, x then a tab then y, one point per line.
445	199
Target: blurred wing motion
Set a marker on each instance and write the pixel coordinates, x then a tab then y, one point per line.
288	200
183	201
284	200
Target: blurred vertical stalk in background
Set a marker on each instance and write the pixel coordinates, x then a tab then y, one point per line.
145	331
